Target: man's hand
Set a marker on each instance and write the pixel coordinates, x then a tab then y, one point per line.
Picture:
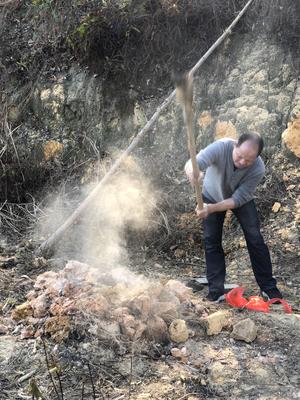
210	208
204	212
190	174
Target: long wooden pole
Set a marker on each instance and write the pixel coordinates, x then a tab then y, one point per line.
47	245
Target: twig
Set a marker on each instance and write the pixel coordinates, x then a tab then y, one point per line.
92	382
27	376
60	384
35	390
131	370
48	368
10	134
82	391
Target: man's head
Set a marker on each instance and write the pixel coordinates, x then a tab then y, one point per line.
247	149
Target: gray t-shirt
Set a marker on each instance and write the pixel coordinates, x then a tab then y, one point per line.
222	180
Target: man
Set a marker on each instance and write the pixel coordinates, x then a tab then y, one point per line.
233	170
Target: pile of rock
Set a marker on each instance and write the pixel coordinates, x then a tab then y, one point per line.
117	302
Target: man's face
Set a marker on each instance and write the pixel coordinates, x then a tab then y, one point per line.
244	155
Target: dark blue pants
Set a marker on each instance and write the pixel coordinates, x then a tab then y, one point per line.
258	251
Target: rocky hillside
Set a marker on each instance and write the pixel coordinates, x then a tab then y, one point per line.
79	81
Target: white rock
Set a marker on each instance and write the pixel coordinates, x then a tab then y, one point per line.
245	330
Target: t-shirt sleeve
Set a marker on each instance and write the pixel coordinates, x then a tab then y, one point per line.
245	191
212	154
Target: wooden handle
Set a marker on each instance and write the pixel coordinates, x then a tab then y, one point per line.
185	96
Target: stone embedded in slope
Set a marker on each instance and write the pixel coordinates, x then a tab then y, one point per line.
225	129
215	322
205	119
245	330
291	138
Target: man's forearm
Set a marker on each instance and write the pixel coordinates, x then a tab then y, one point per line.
224	205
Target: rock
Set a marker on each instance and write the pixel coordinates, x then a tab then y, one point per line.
97	304
62	306
200	309
140	330
178	331
52	149
140	306
44	280
179	289
157	330
180	354
27	332
22	311
58	327
71	289
76	269
165	310
31	295
3	329
179	253
131	327
276	207
119	313
39	262
225	129
291	138
14	113
155	289
39	306
214	323
245	330
205	119
168	297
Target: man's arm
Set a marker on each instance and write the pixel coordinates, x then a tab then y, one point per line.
224	205
211	154
205	158
246	189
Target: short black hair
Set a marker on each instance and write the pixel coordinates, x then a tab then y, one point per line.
254	138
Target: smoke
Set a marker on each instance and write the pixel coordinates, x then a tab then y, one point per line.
125	204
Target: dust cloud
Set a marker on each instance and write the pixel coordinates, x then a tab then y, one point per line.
126	204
